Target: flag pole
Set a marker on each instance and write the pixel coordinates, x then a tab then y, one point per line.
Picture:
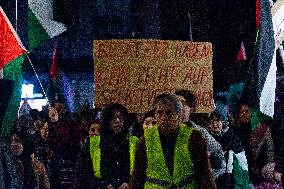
17	16
38	78
281	52
190	27
1	74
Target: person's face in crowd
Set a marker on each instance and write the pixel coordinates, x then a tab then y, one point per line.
140	118
230	115
186	109
16	145
37	124
23	123
94	130
53	114
116	122
59	107
148	122
44	131
167	118
245	114
216	125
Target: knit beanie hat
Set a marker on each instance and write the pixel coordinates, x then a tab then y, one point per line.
221	110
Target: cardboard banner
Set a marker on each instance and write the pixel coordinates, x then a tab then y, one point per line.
133	72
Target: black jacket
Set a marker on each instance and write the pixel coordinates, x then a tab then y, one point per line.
229	140
115	167
84	169
278	139
115	160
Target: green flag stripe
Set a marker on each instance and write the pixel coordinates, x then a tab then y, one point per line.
257	118
241	176
36	32
12	71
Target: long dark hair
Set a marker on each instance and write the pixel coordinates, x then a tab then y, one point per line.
107	115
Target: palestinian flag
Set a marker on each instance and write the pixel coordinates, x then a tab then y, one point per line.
41	25
60	86
238	166
242	53
11	59
10	44
57	82
261	81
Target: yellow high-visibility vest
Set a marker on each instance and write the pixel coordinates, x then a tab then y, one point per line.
95	153
157	173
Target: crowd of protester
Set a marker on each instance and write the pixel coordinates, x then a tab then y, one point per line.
111	148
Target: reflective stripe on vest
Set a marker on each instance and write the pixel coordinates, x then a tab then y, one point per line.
133	142
95	153
167	184
157	172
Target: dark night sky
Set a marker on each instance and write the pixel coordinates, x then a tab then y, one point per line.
224	23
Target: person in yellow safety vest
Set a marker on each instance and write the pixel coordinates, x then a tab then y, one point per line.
171	154
112	152
89	157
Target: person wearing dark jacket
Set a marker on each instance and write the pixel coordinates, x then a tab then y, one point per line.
44	153
224	134
87	177
27	140
279	155
278	138
257	141
107	160
162	159
229	142
217	159
115	147
11	167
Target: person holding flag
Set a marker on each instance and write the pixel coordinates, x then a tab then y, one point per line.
236	175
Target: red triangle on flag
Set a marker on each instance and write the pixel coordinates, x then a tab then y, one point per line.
242	53
10	44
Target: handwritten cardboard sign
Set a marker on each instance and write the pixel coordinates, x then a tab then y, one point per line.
133	72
